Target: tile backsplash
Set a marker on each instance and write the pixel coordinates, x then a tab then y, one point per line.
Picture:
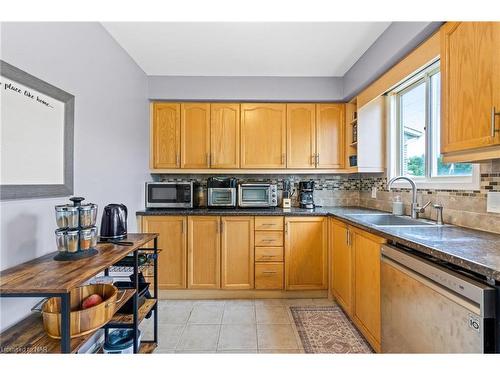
463	208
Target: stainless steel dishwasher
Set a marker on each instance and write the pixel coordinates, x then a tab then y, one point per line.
427	308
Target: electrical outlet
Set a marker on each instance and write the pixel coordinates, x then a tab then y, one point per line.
493	201
374	192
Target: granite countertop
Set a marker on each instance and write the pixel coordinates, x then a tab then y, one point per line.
470	249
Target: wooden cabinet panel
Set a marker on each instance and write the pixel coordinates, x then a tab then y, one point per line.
269	223
195	135
225	135
306	253
263	135
301	135
172	240
269	276
470	82
330	123
237	252
166	135
269	254
204	252
269	238
341	265
367	285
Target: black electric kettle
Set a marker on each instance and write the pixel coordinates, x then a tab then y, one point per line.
114	222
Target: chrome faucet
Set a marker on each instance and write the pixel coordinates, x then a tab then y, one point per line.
415	208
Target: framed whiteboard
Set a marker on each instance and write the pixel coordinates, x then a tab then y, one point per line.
36	137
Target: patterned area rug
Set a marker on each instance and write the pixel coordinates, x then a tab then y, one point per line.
326	329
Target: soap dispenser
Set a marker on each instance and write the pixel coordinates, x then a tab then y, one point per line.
397	206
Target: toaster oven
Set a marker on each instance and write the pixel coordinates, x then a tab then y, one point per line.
258	195
169	194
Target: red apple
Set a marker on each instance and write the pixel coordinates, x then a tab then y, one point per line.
92	300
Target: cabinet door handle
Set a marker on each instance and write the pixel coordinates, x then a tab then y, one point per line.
221	226
317	160
348	237
283	156
313	159
177	161
286	227
494	130
183	224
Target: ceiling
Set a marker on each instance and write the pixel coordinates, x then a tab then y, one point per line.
286	49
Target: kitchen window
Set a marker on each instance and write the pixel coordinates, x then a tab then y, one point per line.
415	129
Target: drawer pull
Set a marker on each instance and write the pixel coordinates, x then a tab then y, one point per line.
269	272
268	256
268	239
268	224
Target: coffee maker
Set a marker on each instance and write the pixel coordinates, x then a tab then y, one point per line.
306	194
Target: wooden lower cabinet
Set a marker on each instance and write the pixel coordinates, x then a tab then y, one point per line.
269	275
366	314
341	276
173	256
204	252
306	253
237	234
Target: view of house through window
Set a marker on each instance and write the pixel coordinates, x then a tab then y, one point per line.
418	127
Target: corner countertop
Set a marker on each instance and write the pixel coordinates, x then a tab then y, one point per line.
473	250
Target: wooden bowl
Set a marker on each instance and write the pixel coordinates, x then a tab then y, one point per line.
82	321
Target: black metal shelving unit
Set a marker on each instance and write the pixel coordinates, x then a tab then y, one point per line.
135	321
28	335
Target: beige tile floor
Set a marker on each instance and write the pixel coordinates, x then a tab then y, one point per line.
227	326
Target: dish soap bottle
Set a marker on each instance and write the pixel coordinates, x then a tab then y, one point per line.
397	206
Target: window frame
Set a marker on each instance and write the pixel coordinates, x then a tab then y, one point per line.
395	133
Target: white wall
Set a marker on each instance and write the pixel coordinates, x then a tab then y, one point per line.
111	132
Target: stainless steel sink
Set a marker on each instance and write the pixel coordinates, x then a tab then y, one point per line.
388	220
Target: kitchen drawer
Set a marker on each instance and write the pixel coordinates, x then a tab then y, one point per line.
268	238
269	223
269	276
269	254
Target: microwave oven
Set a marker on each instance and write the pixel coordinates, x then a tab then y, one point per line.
169	194
257	195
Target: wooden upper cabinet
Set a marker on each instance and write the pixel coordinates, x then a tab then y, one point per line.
330	123
204	252
470	75
341	276
195	135
166	135
237	237
306	253
263	135
172	260
225	135
301	135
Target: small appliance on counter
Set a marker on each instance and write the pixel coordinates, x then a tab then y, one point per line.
286	201
306	194
114	223
221	192
169	194
76	237
258	195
